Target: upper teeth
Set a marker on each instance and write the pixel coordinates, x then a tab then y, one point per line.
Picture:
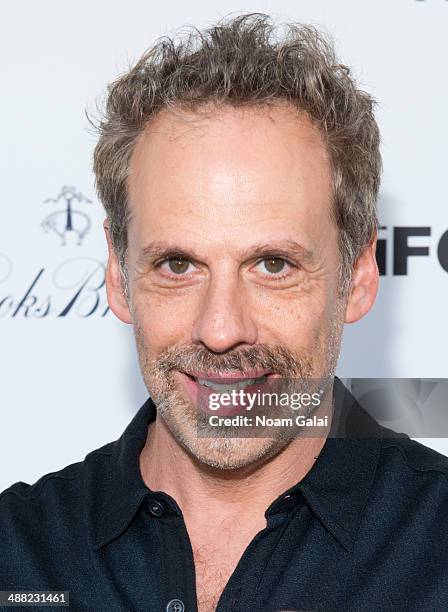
242	384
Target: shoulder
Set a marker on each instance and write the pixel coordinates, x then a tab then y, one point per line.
40	520
412	475
415	457
59	483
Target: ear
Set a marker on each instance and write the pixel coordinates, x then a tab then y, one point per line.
364	285
114	283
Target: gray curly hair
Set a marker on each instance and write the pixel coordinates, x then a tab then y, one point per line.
239	62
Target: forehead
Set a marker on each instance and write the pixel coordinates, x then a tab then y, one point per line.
259	141
229	165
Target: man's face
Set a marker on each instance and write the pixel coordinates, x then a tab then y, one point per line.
232	262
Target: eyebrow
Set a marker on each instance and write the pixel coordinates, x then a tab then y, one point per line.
284	248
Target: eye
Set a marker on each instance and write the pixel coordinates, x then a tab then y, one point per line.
176	265
273	266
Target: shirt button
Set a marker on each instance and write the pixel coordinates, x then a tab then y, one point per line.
175	605
156	508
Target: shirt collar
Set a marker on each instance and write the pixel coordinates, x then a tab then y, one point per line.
336	488
114	497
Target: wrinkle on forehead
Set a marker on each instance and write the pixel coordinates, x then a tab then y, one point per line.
183	128
179	122
227	170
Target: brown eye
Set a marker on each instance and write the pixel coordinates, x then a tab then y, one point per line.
274	265
178	265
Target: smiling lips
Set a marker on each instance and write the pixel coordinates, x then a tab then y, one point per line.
229	380
200	386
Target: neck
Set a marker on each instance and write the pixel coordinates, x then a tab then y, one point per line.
202	490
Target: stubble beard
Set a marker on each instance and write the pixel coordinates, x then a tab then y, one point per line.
181	417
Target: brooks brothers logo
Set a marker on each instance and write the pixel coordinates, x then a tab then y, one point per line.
73	286
68	219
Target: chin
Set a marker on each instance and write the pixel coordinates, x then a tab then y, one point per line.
221	452
231	453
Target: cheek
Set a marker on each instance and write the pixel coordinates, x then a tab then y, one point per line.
297	318
329	334
162	321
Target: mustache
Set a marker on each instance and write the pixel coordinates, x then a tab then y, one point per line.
276	358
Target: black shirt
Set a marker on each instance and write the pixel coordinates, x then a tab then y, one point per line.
365	529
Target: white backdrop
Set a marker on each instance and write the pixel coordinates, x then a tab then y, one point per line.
68	371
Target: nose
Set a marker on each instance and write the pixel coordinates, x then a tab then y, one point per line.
224	320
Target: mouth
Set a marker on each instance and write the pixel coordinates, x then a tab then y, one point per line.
225	383
199	385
